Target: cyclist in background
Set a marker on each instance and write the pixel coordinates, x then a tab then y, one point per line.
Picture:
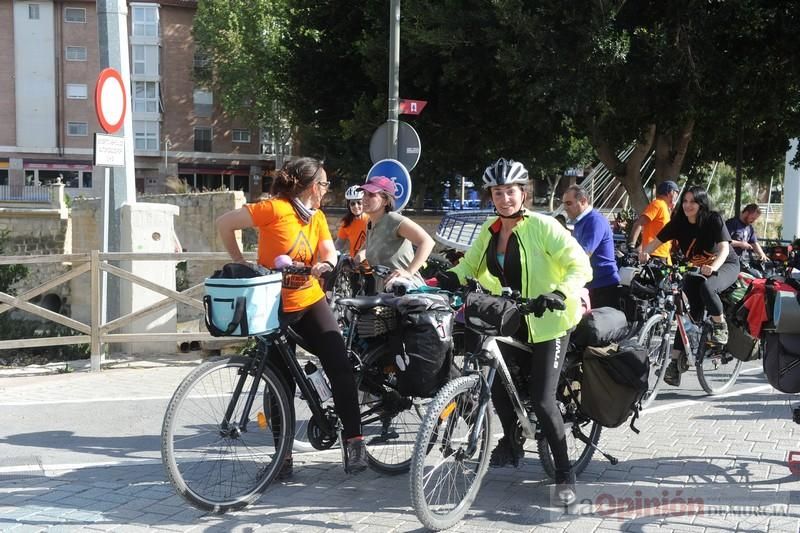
292	224
391	237
535	255
704	240
743	233
654	217
353	226
593	232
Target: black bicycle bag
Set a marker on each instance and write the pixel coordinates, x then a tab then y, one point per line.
615	378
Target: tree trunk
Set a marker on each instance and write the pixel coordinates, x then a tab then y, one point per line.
628	172
671	151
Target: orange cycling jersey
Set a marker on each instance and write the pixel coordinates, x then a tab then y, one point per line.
355	234
281	232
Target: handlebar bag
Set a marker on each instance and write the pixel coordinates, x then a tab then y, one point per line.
491	315
241	301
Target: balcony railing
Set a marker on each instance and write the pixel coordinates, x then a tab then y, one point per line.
26	193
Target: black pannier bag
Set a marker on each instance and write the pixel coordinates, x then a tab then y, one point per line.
782	361
424	356
600	327
615	378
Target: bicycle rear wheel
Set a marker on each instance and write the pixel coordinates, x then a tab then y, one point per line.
716	370
655	338
219	466
445	474
389	422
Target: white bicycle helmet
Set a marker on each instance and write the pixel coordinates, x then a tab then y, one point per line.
504	172
354	193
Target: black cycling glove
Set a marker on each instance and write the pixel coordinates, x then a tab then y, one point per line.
551	300
448	281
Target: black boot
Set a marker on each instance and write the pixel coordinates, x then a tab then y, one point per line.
672	376
506	453
565	487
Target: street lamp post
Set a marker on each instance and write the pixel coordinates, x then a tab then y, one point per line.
167	144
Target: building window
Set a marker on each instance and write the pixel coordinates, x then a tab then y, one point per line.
76	53
145	134
145	97
74	14
77	129
145	60
33	11
76	91
203	102
241	136
202	139
202	63
145	21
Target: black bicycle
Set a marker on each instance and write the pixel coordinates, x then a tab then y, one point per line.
231	423
452	449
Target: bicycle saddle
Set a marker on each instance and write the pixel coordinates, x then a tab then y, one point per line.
363	302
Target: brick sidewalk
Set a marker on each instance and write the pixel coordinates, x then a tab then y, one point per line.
712	465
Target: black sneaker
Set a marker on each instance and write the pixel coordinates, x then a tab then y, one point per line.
719	333
355	456
505	454
672	375
286	470
565	487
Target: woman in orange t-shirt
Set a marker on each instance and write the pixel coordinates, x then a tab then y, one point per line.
292	224
353	226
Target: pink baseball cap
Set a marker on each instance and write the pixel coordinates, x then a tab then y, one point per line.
379	184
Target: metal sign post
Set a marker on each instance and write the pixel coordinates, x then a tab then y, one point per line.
394	78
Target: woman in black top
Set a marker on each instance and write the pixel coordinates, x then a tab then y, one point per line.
704	240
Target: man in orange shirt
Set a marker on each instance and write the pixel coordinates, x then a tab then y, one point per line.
654	217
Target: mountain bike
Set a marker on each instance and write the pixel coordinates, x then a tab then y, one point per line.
717	370
231	422
451	454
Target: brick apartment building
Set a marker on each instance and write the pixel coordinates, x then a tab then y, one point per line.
49	62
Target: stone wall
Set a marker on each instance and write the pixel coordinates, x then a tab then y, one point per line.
38	232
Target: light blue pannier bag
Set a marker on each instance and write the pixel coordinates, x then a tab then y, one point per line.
241	307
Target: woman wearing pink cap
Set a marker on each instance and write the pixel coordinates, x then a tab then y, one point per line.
391	237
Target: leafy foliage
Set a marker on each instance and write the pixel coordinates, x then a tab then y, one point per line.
692	81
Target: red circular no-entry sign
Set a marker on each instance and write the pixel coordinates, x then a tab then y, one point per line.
110	101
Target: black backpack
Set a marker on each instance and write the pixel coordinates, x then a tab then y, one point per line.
615	378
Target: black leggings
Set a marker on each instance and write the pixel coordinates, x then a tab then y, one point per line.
703	294
541	368
317	326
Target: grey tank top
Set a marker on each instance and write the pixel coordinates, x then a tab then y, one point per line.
385	247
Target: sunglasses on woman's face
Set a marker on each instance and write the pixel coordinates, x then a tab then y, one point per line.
355	202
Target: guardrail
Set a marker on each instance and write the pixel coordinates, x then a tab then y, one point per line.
97	333
39	194
458	229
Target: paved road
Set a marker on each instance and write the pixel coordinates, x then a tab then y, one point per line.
80	452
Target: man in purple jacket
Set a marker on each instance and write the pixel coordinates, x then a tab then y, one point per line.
593	233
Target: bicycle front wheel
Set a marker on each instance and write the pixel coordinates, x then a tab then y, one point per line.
717	371
655	339
219	465
448	463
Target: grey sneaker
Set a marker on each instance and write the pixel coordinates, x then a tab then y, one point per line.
719	333
355	456
565	487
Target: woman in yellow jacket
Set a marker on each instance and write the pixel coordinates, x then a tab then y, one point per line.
535	255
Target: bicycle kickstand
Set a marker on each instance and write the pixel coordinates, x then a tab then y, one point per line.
583	438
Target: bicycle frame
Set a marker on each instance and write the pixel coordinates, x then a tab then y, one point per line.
280	340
